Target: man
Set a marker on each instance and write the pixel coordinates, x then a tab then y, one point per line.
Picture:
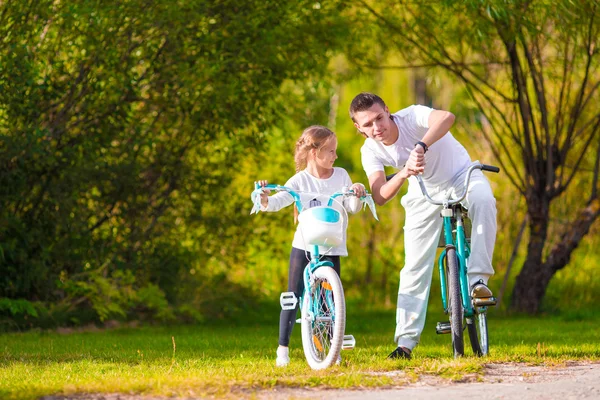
416	140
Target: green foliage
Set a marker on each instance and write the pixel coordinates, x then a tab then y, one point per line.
131	133
20	313
529	71
121	129
114	296
16	307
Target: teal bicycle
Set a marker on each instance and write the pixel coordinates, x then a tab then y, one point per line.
452	264
322	304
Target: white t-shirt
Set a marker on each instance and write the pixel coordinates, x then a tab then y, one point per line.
314	191
444	160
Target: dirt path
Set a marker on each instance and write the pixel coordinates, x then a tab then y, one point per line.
501	381
576	380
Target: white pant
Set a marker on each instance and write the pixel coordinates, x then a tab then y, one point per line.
421	234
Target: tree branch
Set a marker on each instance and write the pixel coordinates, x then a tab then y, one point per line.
561	252
575	169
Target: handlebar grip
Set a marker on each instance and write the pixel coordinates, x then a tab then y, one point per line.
490	168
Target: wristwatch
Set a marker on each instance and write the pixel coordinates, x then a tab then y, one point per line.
423	145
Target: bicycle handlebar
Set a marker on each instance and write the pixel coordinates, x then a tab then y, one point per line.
258	190
490	168
449	202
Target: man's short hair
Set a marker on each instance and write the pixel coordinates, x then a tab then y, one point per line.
363	102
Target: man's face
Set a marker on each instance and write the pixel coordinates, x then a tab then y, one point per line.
375	123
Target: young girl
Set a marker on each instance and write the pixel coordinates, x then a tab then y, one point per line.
315	154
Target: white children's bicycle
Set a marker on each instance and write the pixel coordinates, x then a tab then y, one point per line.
322	305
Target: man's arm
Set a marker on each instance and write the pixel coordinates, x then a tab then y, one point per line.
439	122
383	191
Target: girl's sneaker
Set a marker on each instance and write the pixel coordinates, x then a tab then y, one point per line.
283	356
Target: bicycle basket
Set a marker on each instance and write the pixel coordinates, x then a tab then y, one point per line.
321	226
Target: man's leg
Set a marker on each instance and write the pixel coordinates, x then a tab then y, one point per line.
421	234
482	211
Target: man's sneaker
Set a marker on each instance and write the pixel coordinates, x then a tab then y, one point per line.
400	352
479	290
283	356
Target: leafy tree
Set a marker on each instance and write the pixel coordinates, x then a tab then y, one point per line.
121	127
531	69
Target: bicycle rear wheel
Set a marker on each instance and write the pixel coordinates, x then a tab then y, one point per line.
455	307
478	334
323	319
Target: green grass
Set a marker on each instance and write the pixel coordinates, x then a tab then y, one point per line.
229	359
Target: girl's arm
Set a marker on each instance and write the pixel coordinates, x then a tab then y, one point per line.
275	202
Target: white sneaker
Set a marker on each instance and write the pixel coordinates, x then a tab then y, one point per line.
283	356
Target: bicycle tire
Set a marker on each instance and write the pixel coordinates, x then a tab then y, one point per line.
455	307
478	334
323	321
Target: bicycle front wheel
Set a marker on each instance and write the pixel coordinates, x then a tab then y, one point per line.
323	319
455	307
478	334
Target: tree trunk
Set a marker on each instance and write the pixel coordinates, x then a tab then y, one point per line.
534	277
536	274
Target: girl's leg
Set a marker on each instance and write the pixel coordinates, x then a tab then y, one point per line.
298	260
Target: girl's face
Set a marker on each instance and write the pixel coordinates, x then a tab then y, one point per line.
326	155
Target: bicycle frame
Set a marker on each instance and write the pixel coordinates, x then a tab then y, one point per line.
314	262
462	252
453	210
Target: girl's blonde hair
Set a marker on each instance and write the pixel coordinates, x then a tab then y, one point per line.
313	137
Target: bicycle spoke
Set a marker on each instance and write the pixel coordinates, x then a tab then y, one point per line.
324	322
322	327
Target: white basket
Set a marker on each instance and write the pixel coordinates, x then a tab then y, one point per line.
321	226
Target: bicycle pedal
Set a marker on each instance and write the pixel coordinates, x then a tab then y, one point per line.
484	301
288	301
443	327
348	343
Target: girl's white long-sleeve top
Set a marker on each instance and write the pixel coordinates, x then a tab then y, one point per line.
313	192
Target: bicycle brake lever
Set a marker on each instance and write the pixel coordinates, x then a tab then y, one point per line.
255	196
368	201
